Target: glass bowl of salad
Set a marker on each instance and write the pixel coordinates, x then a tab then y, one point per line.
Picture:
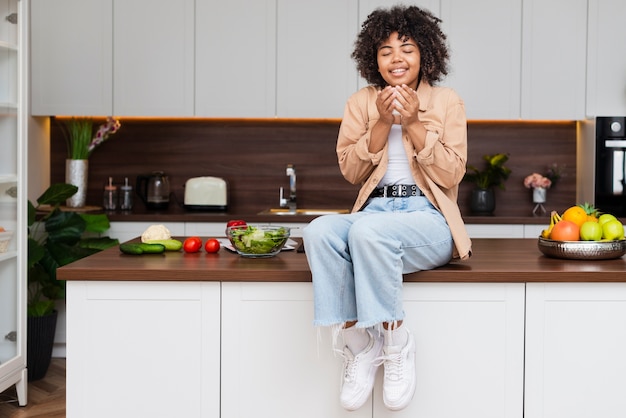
258	241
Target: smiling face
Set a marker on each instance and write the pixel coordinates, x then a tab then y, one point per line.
399	61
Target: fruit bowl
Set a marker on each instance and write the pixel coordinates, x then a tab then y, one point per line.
258	241
582	250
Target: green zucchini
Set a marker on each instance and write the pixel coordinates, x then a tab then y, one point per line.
143	248
169	244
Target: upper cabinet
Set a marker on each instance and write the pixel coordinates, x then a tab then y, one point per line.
71	50
153	58
235	58
606	72
103	57
554	58
315	74
510	59
485	55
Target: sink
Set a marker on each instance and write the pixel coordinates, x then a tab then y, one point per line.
304	211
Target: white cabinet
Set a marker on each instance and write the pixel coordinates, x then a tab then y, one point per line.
272	356
72	50
153	57
606	72
143	349
235	58
575	345
485	49
470	350
13	211
554	59
128	58
315	74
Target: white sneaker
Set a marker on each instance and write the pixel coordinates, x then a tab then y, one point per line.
399	381
359	373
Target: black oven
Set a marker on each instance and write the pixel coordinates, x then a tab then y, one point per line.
610	165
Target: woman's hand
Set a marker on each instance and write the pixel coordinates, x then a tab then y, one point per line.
406	103
385	103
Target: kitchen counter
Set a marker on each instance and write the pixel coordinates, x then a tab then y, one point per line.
493	260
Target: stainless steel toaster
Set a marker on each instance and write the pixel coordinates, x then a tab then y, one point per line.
206	193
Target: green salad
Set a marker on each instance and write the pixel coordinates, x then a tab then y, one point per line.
256	240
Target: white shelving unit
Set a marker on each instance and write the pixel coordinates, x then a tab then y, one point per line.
13	201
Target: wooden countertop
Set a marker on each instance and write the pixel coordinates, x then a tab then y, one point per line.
493	260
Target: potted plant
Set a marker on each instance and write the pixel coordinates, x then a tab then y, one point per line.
55	238
494	174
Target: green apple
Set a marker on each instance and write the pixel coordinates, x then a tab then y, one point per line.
612	230
605	217
591	231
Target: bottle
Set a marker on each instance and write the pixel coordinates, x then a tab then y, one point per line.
126	196
110	196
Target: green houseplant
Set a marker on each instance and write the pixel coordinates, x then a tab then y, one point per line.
55	238
494	174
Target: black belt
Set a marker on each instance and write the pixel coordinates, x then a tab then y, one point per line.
397	190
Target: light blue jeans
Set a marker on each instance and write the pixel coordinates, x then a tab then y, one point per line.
357	260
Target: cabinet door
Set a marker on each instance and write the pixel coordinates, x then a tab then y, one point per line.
71	50
153	58
315	74
235	58
485	49
606	72
470	350
273	357
553	59
575	344
143	349
13	212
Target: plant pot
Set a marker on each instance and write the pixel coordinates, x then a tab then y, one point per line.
76	172
483	202
40	339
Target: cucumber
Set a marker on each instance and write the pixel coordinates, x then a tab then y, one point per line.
137	249
169	244
152	248
134	249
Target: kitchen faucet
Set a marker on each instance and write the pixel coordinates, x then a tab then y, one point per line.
291	202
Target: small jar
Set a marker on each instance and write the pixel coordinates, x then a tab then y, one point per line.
109	200
126	196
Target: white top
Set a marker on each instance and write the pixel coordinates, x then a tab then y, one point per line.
398	171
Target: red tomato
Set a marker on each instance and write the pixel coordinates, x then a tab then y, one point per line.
192	244
236	222
212	245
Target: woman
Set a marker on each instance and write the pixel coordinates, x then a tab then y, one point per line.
405	142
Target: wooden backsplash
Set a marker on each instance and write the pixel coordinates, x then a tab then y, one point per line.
252	156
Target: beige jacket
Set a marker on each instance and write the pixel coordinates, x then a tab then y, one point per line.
438	168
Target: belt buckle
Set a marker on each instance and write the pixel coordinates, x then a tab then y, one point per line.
385	191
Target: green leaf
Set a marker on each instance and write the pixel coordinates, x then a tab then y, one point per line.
57	193
36	252
96	223
41	308
65	227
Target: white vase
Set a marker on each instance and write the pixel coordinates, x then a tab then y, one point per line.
76	174
539	195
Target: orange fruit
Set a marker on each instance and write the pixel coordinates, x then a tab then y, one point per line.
575	214
565	230
592	218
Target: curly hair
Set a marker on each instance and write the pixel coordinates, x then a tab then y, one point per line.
410	22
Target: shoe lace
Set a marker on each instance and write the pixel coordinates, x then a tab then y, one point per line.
350	363
393	366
